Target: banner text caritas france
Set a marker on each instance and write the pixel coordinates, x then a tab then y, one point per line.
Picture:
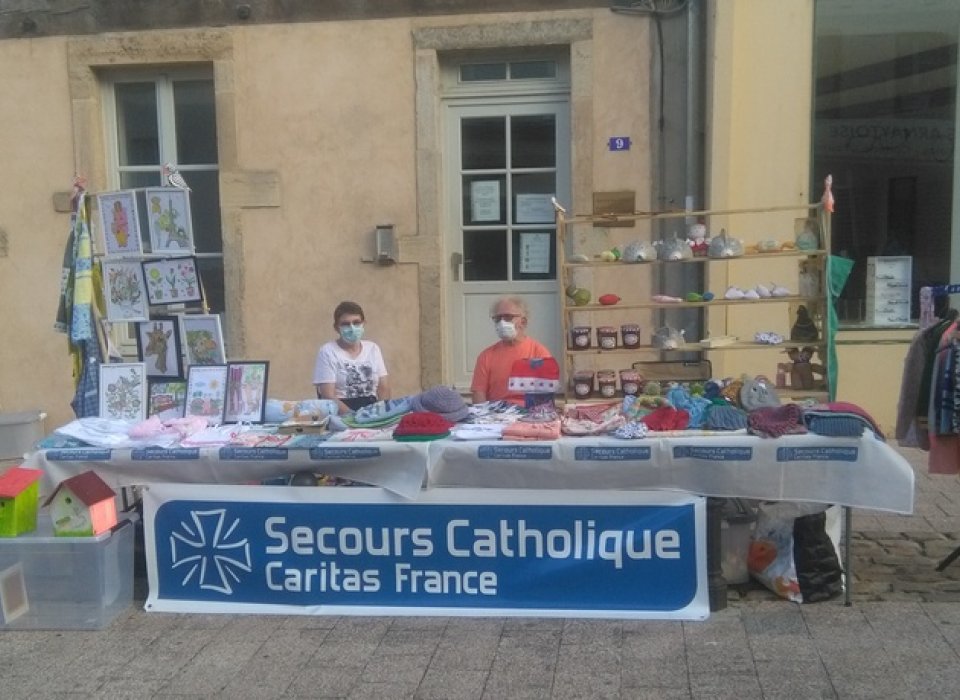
327	551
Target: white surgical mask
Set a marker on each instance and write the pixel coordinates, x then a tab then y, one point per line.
506	330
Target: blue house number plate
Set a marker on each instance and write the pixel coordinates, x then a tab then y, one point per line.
619	143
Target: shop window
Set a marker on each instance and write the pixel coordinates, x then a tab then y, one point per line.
884	126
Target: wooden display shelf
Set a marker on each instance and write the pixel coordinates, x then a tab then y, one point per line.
794	298
792	253
696	347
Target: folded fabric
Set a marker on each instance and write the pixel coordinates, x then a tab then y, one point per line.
381	411
826	416
443	401
422	425
774	421
586	421
279	410
837	425
725	417
532	431
477	431
667	418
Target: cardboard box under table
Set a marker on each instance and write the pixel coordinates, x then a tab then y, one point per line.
49	582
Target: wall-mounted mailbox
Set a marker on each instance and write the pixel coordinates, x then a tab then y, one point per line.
386	243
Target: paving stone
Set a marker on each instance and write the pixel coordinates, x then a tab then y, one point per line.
442	684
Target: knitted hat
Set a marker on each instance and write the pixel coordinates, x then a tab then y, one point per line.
534	375
774	421
667	418
442	400
422	425
721	417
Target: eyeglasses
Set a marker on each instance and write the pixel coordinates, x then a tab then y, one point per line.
504	317
353	324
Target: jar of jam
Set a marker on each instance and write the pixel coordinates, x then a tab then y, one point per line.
630	382
607	383
630	335
607	337
580	337
582	384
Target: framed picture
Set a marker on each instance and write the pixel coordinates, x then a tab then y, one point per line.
123	391
124	291
168	221
206	391
158	346
172	281
202	339
246	391
166	398
120	223
13	594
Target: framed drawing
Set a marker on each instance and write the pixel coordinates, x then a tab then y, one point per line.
166	398
123	391
158	346
168	221
124	291
119	223
172	281
202	339
206	391
246	391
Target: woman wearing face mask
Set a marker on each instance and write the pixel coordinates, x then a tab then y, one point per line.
492	371
349	369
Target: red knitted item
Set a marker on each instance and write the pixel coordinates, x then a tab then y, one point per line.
667	418
422	423
774	421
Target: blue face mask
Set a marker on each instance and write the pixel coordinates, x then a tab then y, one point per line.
351	334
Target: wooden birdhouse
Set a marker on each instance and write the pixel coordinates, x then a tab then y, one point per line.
19	498
82	505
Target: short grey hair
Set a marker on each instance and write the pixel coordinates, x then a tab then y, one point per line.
516	301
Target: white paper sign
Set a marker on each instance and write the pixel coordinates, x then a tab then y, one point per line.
535	253
485	200
534	209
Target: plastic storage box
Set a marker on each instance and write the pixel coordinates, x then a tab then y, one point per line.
19	432
49	582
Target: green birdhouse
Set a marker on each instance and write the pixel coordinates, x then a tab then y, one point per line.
19	500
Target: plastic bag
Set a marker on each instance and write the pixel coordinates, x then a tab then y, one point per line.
794	551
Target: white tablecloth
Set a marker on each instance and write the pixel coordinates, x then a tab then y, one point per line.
859	472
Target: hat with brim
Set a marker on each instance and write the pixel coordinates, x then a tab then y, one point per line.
443	401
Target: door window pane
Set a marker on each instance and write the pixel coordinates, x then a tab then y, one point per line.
138	132
534	255
205	210
484	256
538	184
473	72
483	141
533	141
484	199
196	121
525	70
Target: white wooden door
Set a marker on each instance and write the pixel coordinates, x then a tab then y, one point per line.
505	159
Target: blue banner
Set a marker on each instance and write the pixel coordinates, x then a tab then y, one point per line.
356	549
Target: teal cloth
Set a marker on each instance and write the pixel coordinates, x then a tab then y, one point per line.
838	271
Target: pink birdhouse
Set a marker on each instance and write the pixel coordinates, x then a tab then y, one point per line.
82	505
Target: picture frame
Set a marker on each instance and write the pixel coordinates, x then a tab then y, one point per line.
206	392
169	222
14	601
124	291
123	391
202	336
158	346
120	224
166	398
172	280
246	398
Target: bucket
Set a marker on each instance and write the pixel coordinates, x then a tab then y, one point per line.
737	523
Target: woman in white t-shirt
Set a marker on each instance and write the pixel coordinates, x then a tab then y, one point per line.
350	370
